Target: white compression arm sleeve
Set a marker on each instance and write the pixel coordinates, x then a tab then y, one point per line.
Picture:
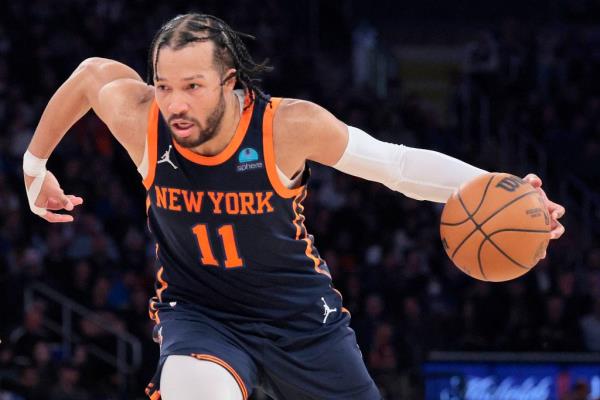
417	173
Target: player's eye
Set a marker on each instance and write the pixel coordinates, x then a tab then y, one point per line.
162	88
194	86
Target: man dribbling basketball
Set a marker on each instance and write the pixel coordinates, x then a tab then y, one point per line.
495	227
243	298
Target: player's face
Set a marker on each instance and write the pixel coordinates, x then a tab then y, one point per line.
189	93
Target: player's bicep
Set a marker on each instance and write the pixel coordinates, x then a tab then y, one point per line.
97	72
116	100
330	141
123	105
318	133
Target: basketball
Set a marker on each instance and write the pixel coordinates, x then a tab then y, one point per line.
495	227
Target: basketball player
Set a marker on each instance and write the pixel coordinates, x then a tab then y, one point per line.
243	298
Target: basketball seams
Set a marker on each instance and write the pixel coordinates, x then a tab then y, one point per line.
479	259
476	209
505	206
487	237
513	230
519	230
515	259
470	217
506	255
477	226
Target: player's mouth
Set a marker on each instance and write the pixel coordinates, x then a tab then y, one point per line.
182	128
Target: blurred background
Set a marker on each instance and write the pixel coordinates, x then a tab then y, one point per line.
505	85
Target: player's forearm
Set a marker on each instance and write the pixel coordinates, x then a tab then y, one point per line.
430	175
68	104
417	173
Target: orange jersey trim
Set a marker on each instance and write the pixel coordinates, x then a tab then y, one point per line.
155	395
299	223
153	311
270	162
232	371
298	216
344	309
152	144
163	283
229	150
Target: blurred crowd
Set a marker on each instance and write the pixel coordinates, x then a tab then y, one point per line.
384	251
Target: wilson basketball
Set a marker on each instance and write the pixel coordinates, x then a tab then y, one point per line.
495	227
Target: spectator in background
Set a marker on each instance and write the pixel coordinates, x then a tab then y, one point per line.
575	301
364	45
520	331
24	338
42	362
80	285
482	62
28	386
590	328
383	360
580	391
373	316
555	333
67	387
415	332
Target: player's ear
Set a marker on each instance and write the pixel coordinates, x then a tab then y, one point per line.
229	78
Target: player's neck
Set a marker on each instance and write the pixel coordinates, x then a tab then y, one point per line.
225	131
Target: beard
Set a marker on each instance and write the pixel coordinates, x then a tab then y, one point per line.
205	133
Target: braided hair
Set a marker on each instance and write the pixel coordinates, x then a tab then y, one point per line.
230	51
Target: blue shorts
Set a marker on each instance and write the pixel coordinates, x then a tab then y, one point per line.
300	359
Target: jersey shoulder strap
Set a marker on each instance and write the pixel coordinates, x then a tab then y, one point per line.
269	150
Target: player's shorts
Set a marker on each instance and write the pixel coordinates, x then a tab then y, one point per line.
301	358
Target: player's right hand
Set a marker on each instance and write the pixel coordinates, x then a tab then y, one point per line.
53	198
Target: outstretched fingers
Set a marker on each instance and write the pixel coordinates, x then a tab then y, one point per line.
75	200
555	210
68	202
533	180
65	202
59	218
557	230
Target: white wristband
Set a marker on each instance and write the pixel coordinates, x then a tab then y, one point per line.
36	168
33	166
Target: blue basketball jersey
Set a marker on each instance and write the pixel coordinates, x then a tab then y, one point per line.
230	236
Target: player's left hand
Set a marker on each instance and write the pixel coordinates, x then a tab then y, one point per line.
555	210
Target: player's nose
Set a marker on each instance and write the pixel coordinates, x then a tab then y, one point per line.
178	107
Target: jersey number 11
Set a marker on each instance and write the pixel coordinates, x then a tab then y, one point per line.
207	257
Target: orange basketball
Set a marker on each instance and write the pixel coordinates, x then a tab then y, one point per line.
495	227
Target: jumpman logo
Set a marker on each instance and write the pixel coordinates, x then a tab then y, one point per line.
166	158
327	310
